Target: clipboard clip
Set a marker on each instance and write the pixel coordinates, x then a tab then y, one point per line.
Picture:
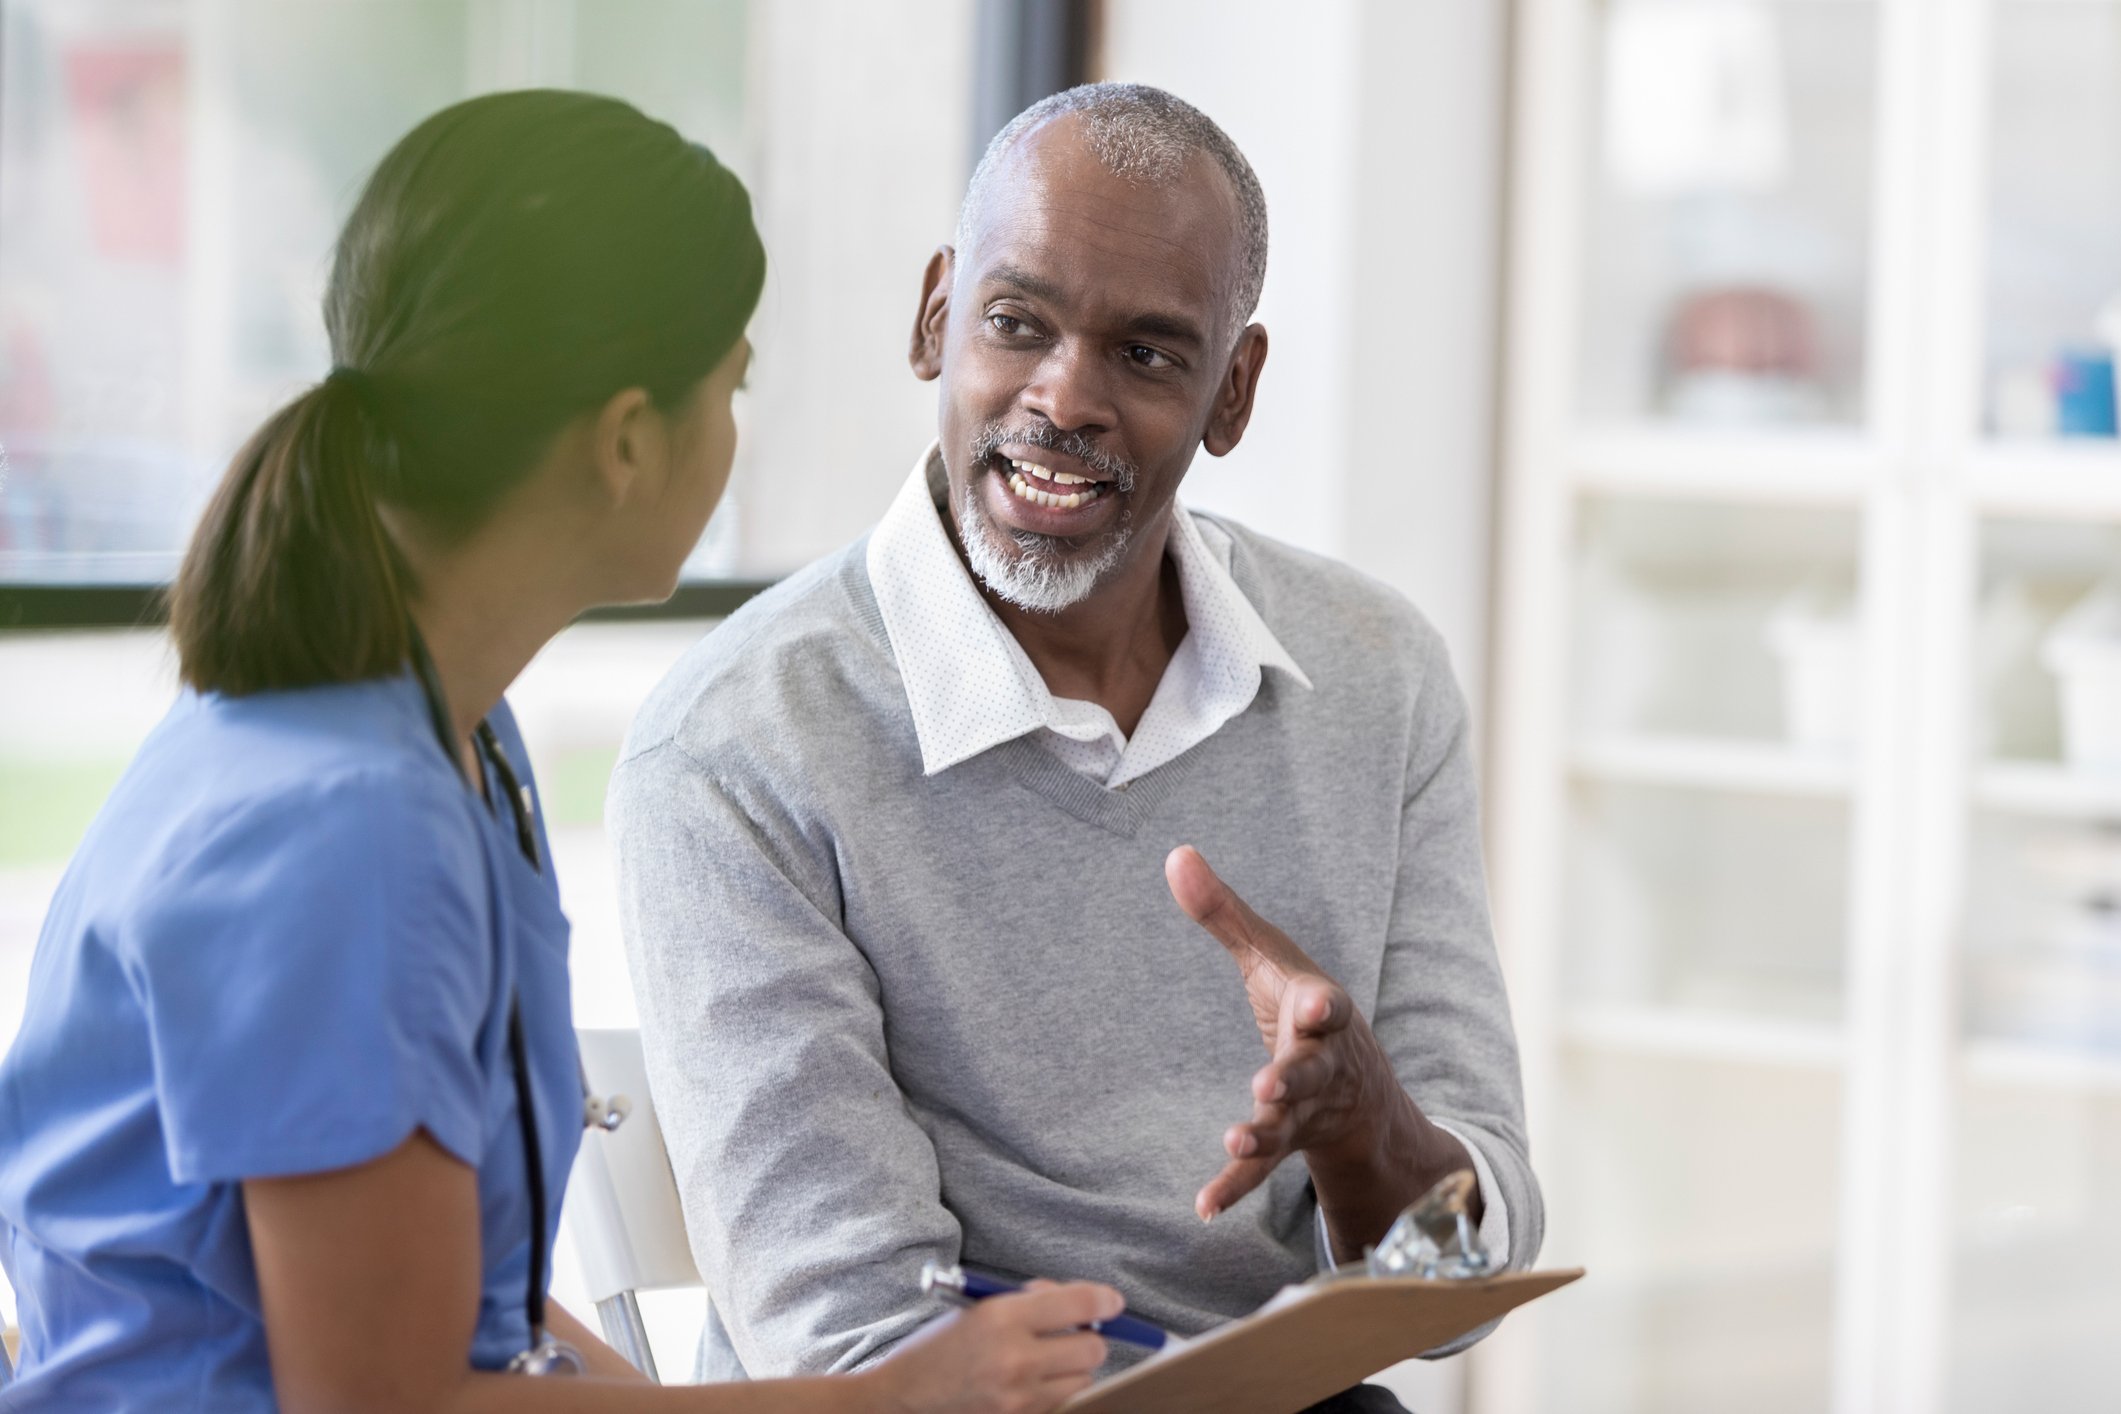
1434	1237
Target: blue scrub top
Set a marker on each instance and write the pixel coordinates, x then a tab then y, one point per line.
287	942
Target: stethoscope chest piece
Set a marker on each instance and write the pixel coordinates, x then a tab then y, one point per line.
548	1357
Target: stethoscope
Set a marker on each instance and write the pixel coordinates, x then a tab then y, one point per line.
545	1354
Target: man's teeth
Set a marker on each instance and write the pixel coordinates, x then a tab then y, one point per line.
1026	491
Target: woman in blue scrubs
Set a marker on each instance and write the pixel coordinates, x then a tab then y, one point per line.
290	1115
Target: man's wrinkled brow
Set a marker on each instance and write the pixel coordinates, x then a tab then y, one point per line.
1022	281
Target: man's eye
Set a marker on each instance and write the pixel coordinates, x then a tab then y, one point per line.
1006	324
1148	357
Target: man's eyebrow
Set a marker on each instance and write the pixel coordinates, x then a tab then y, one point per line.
1174	327
1023	281
1153	324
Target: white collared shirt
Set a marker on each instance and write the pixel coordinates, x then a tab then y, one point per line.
972	687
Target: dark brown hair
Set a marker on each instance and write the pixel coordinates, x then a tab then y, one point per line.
514	261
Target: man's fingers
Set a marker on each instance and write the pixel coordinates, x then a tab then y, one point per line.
1209	901
1270	1133
1318	1006
1300	1013
1299	1073
1213	904
1239	1177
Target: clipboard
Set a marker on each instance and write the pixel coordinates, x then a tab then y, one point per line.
1428	1282
1322	1340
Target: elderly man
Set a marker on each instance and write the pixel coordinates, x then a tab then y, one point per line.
899	844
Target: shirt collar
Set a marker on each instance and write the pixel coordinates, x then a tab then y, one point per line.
970	685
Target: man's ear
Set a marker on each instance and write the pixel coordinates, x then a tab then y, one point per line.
628	445
925	353
1232	412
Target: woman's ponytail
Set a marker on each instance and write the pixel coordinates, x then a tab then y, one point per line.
291	579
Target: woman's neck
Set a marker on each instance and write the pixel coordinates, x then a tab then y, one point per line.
485	607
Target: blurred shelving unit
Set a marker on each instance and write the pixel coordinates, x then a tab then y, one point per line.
1808	881
1703	1036
1826	468
2047	788
2037	1068
2066	481
1707	763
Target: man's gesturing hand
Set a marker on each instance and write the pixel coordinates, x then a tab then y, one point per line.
1327	1083
1328	1089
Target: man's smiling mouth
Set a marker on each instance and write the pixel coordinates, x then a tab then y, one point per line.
1046	486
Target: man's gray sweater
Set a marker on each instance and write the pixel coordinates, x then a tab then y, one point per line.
892	1017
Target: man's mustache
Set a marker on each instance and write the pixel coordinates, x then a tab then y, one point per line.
1046	437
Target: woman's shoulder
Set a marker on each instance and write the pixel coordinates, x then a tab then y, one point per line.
284	785
368	740
315	890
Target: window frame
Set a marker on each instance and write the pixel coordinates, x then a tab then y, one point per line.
33	607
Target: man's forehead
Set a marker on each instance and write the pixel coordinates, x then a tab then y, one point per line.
1060	215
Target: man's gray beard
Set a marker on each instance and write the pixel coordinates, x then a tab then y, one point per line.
1033	577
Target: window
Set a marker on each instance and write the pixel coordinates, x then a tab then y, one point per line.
173	174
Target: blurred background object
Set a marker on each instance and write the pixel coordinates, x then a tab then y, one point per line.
1739	354
1728	211
1732	381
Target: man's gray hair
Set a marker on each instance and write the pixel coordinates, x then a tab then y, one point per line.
1145	135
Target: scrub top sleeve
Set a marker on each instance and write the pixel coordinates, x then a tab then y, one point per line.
316	976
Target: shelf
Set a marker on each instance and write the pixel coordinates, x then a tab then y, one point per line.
2021	1064
1668	1032
1712	763
2047	788
1803	467
2062	479
1630	1278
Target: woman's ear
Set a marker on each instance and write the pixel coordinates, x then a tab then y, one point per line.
925	353
630	446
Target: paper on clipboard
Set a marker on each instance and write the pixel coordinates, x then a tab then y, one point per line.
1312	1342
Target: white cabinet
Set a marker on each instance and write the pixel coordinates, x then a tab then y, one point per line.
1812	908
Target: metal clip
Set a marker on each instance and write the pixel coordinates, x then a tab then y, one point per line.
607	1115
1434	1237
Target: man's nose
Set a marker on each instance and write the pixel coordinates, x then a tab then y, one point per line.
1071	389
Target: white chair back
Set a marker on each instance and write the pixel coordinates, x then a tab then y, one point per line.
623	1211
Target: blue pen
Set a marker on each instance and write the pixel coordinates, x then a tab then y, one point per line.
962	1288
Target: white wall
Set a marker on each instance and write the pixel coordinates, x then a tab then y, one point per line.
851	197
1376	129
1275	77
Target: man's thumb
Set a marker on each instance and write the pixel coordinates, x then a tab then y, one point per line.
1206	899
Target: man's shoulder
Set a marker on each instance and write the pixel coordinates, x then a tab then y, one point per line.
1318	605
802	654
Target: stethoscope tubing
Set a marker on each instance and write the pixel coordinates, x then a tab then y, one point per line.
544	1355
